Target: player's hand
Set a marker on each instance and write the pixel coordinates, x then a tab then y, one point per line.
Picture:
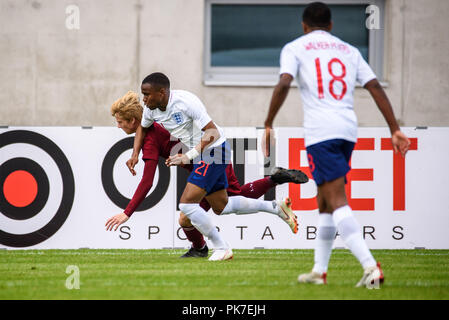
177	160
268	141
116	221
131	163
400	142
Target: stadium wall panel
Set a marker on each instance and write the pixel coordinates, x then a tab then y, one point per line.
59	185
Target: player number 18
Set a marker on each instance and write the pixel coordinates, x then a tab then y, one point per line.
338	78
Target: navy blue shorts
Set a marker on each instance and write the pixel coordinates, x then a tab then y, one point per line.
209	169
329	160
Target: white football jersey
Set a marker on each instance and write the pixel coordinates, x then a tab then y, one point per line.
184	118
327	70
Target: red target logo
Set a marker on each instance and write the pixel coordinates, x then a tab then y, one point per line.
20	188
25	188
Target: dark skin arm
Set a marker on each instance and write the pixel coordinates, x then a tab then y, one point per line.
400	142
381	99
211	135
279	95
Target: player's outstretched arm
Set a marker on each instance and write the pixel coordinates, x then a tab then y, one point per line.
279	94
399	140
138	142
139	195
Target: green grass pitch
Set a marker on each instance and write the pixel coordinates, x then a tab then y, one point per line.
252	275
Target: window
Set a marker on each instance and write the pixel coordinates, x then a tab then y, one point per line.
243	39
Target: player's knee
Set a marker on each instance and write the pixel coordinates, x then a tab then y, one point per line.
336	203
184	221
219	206
324	208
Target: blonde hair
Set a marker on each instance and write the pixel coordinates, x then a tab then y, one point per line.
128	107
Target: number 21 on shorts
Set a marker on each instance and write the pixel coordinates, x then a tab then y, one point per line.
338	78
203	167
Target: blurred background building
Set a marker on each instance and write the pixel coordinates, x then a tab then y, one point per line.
63	62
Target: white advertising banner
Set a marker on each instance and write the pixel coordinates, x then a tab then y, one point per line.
59	185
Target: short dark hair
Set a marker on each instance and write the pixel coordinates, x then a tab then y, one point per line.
158	80
317	14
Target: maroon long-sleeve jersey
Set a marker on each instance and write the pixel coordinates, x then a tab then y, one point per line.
158	143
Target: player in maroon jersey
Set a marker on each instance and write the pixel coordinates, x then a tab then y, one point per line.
159	143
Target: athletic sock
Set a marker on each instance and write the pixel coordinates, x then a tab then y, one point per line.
203	223
242	205
323	243
350	233
257	188
195	237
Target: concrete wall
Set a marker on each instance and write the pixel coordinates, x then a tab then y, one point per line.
50	75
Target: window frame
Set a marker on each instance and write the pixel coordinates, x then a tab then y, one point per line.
268	76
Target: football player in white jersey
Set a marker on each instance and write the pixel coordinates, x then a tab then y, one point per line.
185	117
327	69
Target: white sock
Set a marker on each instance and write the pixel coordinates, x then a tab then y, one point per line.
323	242
349	230
242	205
203	223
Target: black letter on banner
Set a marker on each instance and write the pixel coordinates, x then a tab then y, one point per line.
179	237
150	233
241	231
129	234
401	234
239	146
267	234
311	232
370	232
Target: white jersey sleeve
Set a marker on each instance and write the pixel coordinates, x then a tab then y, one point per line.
288	61
364	71
147	120
197	111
